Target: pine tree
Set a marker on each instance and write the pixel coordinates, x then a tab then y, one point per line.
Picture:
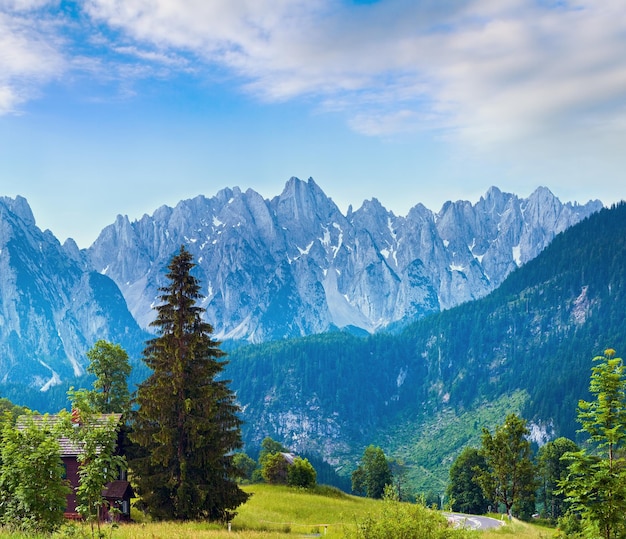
186	423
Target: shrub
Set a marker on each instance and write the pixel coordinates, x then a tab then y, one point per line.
301	474
399	520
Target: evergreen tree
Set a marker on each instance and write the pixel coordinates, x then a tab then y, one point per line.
463	490
109	364
510	474
596	483
186	423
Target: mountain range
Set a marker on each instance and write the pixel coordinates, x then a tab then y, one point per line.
52	307
364	327
427	391
295	265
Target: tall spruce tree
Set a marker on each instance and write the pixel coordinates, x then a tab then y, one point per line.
186	423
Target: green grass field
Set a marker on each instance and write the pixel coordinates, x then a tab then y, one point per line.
275	512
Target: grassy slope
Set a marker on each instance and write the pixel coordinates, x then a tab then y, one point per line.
279	512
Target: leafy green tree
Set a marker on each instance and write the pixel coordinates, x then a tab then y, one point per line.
186	423
596	483
464	492
510	475
109	364
14	411
32	489
373	474
301	474
99	460
269	447
275	469
244	465
552	469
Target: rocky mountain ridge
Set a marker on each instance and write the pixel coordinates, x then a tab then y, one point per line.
52	308
295	265
271	269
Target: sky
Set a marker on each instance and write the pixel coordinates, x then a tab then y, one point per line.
114	107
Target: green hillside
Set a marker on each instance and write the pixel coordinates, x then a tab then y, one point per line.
534	336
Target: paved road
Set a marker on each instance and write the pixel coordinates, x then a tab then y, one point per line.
473	522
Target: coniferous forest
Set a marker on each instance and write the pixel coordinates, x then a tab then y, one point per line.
534	336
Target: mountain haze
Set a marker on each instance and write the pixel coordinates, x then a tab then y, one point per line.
295	265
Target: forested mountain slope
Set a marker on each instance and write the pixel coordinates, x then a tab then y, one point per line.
534	336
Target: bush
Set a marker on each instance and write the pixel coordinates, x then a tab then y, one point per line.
399	520
301	474
274	469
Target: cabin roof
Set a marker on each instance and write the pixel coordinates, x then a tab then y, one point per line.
67	446
118	490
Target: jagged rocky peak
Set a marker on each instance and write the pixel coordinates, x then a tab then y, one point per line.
295	265
304	203
52	307
20	208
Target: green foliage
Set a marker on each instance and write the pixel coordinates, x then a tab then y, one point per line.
270	447
399	520
509	477
596	483
109	364
13	410
532	336
32	490
399	473
244	465
186	424
274	469
301	474
327	474
373	473
553	469
464	492
429	444
97	436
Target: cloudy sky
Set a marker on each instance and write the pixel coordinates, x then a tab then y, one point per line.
119	106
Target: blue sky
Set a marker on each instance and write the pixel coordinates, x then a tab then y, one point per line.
120	106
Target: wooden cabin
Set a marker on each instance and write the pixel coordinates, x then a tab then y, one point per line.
117	494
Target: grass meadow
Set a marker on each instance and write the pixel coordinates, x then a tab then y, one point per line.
275	512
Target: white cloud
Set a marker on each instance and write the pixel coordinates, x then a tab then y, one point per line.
482	70
485	69
28	54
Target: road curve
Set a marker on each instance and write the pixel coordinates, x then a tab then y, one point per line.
472	522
